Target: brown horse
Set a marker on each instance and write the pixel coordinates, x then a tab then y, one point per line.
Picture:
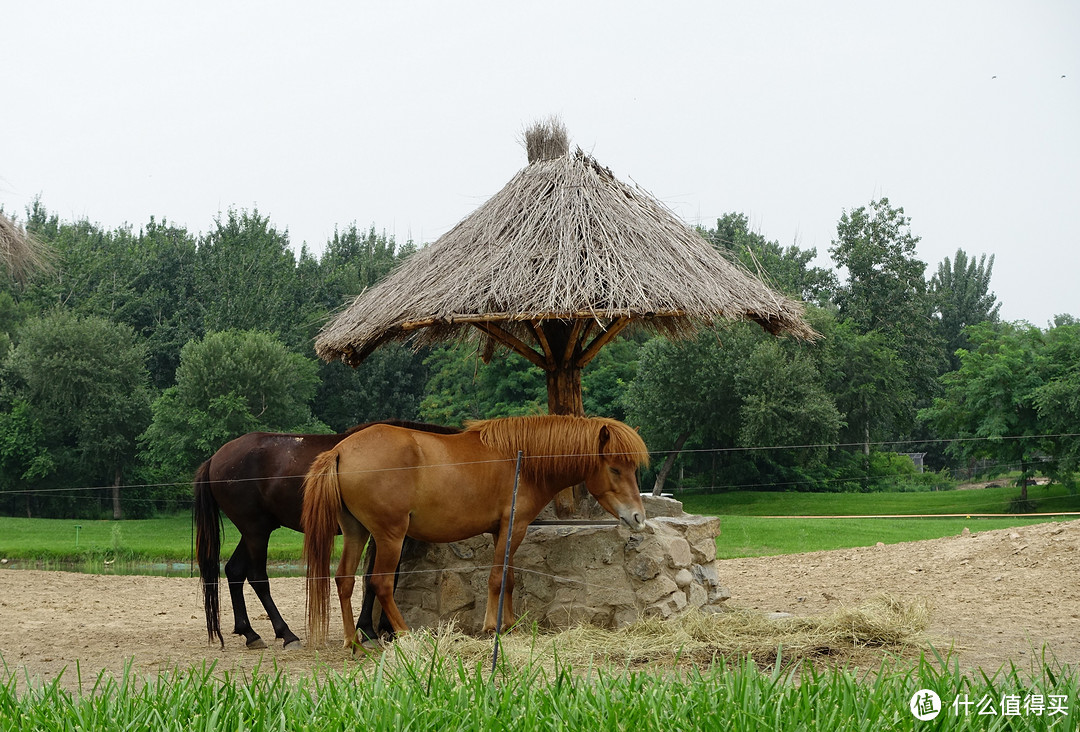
391	483
256	480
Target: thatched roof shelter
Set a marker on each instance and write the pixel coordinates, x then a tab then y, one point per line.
566	241
20	252
554	266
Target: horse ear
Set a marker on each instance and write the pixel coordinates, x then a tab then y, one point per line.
605	438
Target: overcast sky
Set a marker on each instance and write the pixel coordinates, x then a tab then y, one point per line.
407	116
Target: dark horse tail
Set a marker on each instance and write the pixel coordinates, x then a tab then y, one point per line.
322	501
208	549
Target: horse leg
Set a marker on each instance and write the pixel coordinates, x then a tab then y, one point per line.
260	582
354	535
365	626
385	628
236	570
384	578
491	617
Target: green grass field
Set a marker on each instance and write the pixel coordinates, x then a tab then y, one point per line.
745	529
745	532
440	693
1048	499
444	695
147	540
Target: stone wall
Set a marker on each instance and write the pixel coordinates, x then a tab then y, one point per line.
602	574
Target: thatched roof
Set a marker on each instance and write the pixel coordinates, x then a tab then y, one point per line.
19	251
565	240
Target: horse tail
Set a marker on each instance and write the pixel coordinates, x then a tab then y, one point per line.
208	549
322	502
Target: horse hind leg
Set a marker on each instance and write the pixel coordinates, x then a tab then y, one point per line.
236	573
384	579
365	624
260	582
354	536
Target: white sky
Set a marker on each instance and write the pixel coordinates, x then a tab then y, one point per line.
407	116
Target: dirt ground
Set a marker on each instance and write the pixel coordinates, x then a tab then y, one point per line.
997	596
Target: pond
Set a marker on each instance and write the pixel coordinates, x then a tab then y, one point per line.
154	569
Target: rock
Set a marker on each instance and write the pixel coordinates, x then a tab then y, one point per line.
656	506
568	574
683	578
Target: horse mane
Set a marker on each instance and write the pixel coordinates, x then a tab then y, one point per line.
569	444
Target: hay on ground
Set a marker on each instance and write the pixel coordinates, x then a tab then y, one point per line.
694	638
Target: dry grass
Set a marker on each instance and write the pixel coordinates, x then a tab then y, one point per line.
882	624
20	252
563	240
546	140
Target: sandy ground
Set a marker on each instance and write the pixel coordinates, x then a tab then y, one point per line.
997	596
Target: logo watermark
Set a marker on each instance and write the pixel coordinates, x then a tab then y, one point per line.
926	704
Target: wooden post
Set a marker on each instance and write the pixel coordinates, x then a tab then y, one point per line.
562	355
564	393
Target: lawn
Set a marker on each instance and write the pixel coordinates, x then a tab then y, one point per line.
152	540
747	529
1048	499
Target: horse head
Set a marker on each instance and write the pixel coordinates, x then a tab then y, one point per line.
614	483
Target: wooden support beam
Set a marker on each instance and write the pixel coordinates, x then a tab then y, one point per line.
572	341
601	340
513	343
541	337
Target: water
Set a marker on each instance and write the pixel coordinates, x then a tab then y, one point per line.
152	569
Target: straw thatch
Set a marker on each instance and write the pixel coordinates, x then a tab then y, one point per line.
563	240
20	252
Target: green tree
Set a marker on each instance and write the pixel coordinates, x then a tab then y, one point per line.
735	387
989	405
389	384
1057	400
686	390
785	268
24	457
960	292
227	384
86	381
461	387
605	379
784	402
246	279
354	260
885	293
144	280
868	383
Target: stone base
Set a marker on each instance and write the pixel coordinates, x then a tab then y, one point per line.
601	574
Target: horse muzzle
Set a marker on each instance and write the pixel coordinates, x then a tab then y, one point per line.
633	518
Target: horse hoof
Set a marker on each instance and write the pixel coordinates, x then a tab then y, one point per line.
294	645
256	644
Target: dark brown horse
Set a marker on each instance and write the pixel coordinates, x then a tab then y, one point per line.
257	481
391	483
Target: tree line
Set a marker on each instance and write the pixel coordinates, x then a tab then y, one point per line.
138	353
